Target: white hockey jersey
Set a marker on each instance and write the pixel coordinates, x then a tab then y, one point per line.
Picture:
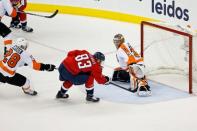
15	58
6	6
126	55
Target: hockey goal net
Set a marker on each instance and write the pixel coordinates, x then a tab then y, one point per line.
169	53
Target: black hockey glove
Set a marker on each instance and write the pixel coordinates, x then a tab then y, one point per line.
47	67
107	80
6	13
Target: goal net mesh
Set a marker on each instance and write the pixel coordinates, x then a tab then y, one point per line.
166	52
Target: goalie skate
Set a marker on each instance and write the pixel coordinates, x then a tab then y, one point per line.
144	91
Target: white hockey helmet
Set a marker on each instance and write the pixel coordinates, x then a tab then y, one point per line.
118	39
22	43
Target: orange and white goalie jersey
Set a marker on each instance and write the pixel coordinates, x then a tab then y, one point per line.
15	58
126	55
6	6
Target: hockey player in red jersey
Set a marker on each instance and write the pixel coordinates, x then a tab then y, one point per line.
80	67
20	21
17	57
5	32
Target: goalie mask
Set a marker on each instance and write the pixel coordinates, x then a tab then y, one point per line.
22	43
118	39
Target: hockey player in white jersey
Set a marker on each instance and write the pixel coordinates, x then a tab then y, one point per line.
17	57
5	32
131	67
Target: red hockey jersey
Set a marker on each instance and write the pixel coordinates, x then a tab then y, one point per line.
81	61
20	4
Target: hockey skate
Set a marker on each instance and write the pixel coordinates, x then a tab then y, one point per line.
61	95
144	91
29	91
91	98
16	26
15	23
27	29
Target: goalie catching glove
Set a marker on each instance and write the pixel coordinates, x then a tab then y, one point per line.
47	67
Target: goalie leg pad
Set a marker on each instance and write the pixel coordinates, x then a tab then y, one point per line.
137	70
133	83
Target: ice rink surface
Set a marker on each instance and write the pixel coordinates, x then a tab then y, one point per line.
167	110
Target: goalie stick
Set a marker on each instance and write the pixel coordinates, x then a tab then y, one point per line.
117	85
45	16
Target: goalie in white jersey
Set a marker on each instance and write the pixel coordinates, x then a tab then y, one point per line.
17	57
131	67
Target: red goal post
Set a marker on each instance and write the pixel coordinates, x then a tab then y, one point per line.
155	29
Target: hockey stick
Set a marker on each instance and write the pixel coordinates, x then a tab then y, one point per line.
45	16
117	85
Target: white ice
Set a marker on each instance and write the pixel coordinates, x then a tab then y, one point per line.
117	111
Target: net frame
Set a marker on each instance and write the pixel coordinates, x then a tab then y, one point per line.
168	29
